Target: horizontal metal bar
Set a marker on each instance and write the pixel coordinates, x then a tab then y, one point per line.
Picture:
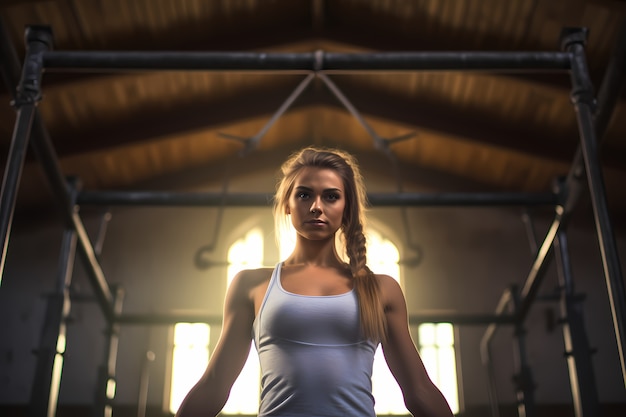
462	319
167	319
166	198
173	318
463	199
163	198
305	61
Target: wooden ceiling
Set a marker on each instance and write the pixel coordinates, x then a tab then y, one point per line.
512	131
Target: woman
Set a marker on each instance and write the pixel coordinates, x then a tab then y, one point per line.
315	320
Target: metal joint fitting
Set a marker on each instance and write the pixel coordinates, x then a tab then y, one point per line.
573	35
38	39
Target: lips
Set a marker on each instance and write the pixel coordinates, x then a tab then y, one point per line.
316	222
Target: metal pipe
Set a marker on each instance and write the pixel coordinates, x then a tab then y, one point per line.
106	385
583	100
27	94
523	379
144	384
12	176
379	142
612	83
462	319
570	190
504	301
167	318
165	198
252	143
539	267
50	355
530	231
485	353
492	385
101	61
172	318
104	222
577	349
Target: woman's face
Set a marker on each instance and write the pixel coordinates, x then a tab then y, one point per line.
316	203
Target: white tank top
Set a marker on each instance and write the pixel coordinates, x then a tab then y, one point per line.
314	361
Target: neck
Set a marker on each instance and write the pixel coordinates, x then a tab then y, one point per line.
315	252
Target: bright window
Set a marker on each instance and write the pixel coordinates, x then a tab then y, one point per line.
246	253
190	357
382	258
436	346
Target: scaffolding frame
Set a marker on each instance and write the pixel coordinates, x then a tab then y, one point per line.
25	83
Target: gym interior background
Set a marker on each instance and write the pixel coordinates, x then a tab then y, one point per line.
474	160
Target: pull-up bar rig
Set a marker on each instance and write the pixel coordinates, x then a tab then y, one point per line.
26	85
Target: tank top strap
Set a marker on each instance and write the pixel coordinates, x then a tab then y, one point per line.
274	281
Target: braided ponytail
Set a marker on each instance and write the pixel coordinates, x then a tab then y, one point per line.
373	324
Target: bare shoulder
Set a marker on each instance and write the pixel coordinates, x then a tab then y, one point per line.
249	283
252	278
390	290
387	282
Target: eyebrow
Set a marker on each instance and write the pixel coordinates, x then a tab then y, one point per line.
305	188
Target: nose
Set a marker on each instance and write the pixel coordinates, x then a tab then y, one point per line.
316	207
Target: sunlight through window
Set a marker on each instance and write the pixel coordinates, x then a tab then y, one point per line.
246	253
190	358
436	341
382	258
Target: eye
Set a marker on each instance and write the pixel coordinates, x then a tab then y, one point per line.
332	197
302	195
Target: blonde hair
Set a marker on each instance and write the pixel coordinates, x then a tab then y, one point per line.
371	311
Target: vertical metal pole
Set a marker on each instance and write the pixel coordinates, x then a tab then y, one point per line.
523	379
142	401
47	381
491	379
28	94
107	384
99	243
485	353
577	350
530	231
582	97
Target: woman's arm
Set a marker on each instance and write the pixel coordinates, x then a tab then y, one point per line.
208	396
421	397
